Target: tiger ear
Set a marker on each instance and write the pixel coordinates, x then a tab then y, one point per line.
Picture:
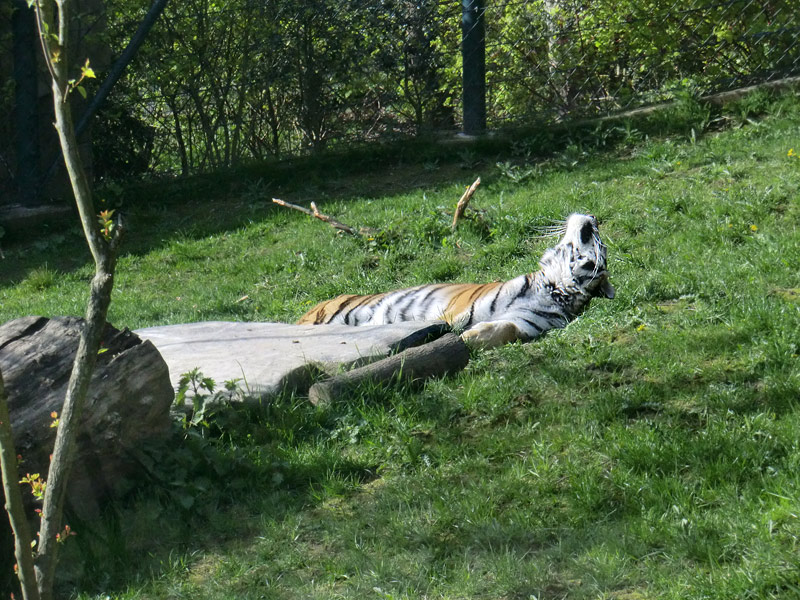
607	289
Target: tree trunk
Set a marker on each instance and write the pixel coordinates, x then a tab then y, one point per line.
211	152
63	450
238	111
558	80
172	103
54	34
274	123
14	505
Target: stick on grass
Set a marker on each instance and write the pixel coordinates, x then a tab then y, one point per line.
314	212
462	204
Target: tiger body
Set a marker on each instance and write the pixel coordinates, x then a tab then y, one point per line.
491	314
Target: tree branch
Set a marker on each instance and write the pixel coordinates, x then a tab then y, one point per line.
314	212
41	18
279	202
333	222
118	68
114	74
104	254
462	203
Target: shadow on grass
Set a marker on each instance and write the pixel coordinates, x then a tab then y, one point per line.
213	488
209	487
290	491
207	204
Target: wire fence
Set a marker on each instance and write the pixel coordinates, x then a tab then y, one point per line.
565	59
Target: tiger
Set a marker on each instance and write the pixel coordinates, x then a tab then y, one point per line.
491	314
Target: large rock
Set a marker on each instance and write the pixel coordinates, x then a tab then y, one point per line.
270	357
128	403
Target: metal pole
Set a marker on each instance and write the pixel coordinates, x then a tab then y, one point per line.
116	71
118	68
26	101
473	56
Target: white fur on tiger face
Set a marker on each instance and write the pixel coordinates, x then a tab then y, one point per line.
491	314
572	273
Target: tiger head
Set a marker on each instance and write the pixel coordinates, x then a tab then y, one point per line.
576	267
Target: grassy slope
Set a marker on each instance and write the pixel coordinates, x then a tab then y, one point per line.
648	450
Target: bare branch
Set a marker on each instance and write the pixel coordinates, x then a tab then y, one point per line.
294	206
462	203
314	212
333	222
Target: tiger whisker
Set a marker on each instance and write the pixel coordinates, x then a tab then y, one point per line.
559	228
598	249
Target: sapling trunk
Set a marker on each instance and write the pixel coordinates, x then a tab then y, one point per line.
69	423
104	254
14	505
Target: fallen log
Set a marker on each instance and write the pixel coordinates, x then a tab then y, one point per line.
447	354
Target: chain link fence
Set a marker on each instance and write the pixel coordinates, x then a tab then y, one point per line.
557	59
241	80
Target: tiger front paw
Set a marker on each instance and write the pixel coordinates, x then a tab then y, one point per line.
491	334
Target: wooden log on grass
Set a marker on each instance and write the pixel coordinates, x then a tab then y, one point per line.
447	354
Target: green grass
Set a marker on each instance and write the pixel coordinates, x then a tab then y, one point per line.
649	450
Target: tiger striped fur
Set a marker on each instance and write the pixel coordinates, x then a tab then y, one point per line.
491	314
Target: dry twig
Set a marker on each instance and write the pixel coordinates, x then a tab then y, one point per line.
333	222
314	212
462	204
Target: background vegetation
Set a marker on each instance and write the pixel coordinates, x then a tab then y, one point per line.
648	450
221	82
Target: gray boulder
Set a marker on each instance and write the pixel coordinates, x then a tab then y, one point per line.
128	404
